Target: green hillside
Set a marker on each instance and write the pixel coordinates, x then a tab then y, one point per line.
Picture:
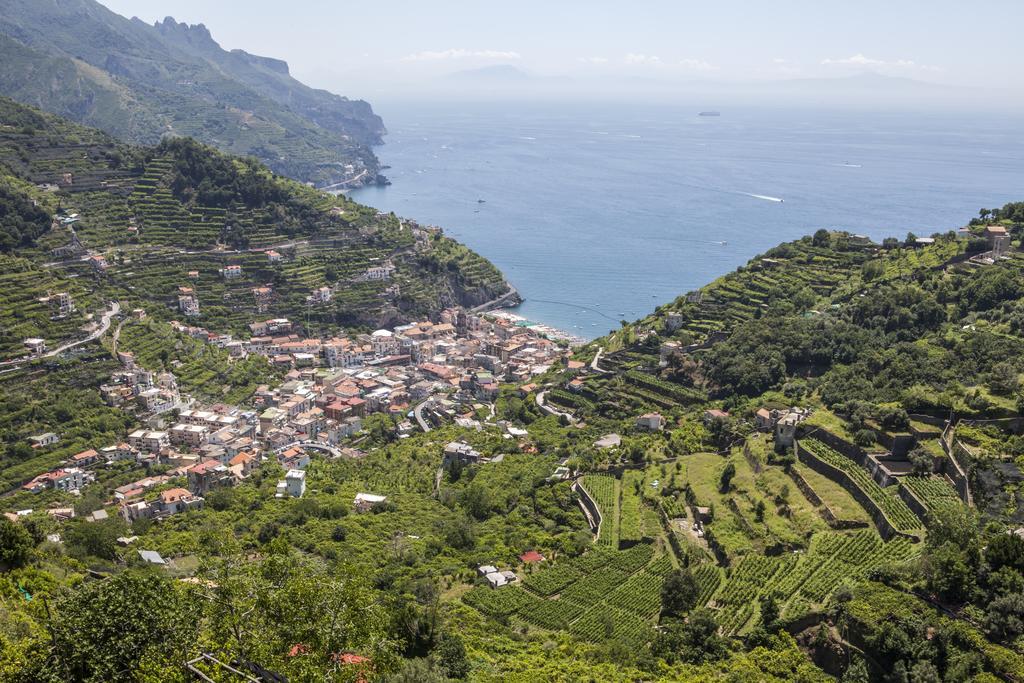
157	214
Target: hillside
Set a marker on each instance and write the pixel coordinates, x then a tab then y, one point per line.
695	544
142	83
136	223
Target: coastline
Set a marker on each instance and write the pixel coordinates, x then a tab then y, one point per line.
548	331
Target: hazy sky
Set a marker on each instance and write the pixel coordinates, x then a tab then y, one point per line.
377	46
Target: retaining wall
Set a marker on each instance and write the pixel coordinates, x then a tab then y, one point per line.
885	527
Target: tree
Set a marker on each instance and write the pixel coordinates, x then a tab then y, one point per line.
1004	618
15	544
95	539
857	672
924	671
450	656
103	630
920	461
694	641
476	500
725	481
769	611
679	592
1003	379
1005	550
821	238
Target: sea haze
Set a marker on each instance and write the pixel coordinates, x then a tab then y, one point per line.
598	213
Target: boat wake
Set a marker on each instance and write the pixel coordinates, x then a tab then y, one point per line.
764	197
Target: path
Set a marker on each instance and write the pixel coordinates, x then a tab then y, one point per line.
597	359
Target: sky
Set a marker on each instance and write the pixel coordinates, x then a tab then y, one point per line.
367	48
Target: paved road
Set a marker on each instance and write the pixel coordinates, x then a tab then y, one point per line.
597	359
114	309
418	413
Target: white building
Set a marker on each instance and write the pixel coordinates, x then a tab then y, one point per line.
293	485
364	501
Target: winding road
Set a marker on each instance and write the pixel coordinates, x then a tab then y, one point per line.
114	309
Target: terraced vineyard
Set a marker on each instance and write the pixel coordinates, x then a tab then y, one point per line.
936	492
901	516
604	490
630	520
800	582
604	593
202	369
23	314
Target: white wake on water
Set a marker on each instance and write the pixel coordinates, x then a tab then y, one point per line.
764	197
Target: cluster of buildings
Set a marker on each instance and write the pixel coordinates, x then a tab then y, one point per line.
783	421
462	355
496	578
150	393
330	387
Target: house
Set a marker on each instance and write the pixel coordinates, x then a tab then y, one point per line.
530	557
242	464
321	295
785	427
148	441
173	501
763	418
459	452
575	386
43	440
364	502
652	422
69	479
673	321
273	256
998	238
496	579
35	346
85	458
231	272
207	475
188	302
715	415
293	485
189	434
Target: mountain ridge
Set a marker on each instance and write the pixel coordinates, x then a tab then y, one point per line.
144	82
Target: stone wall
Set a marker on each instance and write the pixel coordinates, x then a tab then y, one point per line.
885	527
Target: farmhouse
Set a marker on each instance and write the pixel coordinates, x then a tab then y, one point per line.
652	422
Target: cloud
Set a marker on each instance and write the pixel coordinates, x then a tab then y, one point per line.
859	60
594	60
459	53
648	60
697	65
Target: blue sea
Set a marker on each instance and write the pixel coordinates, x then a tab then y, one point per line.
598	213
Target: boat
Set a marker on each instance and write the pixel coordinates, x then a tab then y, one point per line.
481	201
710	113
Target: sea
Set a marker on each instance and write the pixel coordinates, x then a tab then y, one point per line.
598	213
